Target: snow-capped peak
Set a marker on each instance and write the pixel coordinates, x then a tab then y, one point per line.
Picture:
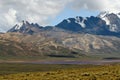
103	16
20	24
109	18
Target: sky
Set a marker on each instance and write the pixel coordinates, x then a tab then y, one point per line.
51	12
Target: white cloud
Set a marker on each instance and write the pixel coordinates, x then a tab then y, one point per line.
99	5
40	11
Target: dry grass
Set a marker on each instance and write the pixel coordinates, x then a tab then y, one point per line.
106	72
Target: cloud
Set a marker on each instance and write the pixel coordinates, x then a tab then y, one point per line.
40	11
97	5
43	11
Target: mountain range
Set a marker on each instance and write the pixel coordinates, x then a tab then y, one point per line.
72	37
105	23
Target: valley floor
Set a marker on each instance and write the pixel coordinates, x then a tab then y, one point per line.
20	71
64	61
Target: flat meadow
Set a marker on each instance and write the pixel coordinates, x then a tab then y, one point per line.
19	71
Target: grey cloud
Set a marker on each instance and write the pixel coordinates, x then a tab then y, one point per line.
99	5
14	11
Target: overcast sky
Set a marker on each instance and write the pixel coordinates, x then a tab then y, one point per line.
50	12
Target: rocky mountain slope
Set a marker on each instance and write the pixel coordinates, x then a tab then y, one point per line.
26	28
72	37
104	24
111	19
59	44
17	44
12	47
91	25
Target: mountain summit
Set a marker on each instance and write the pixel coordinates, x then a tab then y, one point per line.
111	19
105	23
26	27
90	25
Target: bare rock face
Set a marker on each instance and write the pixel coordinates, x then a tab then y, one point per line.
87	42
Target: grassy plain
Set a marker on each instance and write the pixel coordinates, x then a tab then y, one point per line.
59	72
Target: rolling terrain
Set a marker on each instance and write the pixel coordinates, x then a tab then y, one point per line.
72	38
58	44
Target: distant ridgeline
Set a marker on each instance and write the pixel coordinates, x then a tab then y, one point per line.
73	37
105	23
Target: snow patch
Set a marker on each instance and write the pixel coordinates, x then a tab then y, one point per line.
68	21
104	14
106	20
112	27
81	23
18	26
103	17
